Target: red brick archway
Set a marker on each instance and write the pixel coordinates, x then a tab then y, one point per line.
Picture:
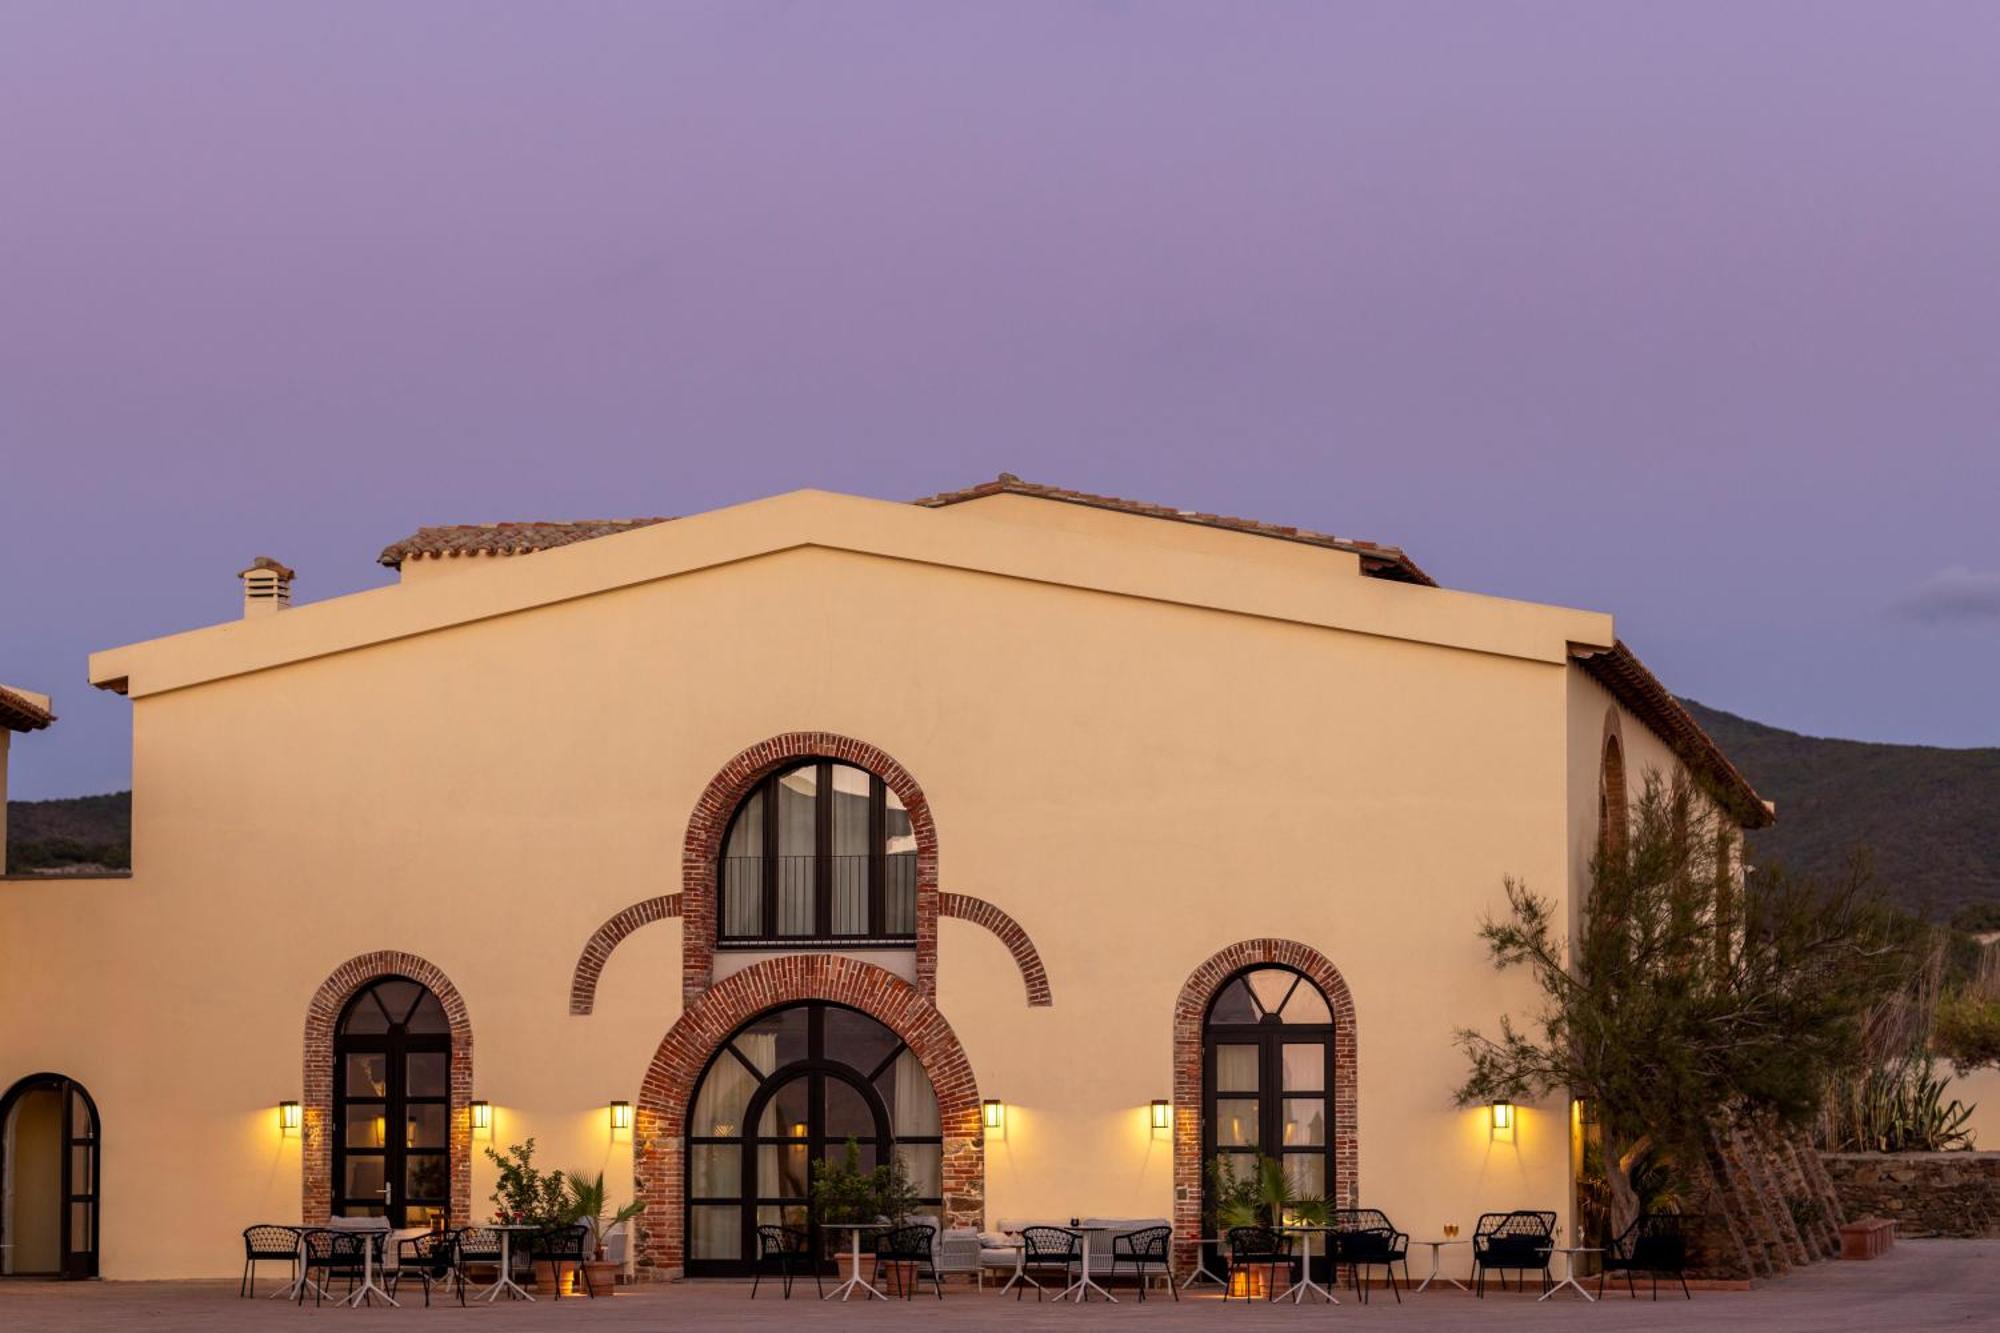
316	1109
708	824
660	1121
1191	1012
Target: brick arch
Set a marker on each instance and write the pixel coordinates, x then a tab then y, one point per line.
1191	1013
708	824
660	1119
597	949
965	907
316	1118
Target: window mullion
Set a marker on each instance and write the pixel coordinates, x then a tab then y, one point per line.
878	915
823	850
768	927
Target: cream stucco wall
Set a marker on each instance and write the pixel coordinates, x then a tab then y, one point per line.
1144	741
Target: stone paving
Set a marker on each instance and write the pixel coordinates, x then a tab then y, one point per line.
1920	1285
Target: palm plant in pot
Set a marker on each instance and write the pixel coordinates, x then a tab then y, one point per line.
589	1201
1262	1196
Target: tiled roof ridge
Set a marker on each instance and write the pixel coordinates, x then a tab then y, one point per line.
444	540
20	713
1378	559
1619	670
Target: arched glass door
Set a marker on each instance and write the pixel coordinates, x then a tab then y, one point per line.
392	1105
48	1179
1268	1078
788	1089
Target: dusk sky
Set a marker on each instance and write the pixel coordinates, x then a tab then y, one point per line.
1686	312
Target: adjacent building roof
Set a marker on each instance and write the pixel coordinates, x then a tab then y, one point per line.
1620	671
522	538
503	538
1386	562
21	710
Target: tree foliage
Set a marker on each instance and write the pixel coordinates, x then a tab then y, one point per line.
1679	996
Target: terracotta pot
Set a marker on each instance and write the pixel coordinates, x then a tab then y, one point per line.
545	1277
898	1278
844	1261
603	1276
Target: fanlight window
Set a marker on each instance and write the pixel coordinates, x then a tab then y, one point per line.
819	852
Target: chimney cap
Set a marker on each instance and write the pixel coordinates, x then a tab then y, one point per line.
265	562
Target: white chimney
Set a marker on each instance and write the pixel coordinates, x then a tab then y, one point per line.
267	587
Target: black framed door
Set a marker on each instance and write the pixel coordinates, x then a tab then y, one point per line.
789	1090
1268	1079
392	1105
52	1144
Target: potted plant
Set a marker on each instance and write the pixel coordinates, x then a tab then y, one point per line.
524	1195
588	1201
1261	1197
896	1199
843	1193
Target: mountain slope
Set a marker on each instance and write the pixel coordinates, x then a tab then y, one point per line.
1930	817
72	832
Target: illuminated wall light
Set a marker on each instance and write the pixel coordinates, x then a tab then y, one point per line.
288	1117
1503	1114
991	1113
482	1116
1163	1114
621	1115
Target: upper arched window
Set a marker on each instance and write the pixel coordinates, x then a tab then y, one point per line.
1612	812
819	852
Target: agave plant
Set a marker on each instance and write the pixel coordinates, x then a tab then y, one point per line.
1902	1108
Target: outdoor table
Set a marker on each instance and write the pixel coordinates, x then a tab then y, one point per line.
1020	1273
1084	1282
1201	1263
1437	1248
369	1288
303	1279
1569	1253
507	1282
846	1289
1297	1291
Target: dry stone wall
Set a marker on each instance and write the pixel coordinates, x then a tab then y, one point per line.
1923	1193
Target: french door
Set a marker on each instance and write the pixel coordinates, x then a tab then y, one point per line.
49	1142
392	1105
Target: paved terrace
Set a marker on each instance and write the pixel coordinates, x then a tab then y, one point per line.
1920	1285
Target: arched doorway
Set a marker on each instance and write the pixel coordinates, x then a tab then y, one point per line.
790	1088
49	1152
1268	1078
392	1105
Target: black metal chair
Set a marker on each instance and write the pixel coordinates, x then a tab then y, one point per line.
1045	1248
558	1246
263	1243
333	1255
909	1249
1522	1241
477	1245
1260	1247
1148	1247
431	1259
1365	1238
788	1248
1656	1244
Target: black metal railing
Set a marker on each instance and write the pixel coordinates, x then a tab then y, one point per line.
801	899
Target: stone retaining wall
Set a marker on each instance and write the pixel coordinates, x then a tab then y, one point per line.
1924	1193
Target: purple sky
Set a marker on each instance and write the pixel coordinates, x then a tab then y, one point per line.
1687	312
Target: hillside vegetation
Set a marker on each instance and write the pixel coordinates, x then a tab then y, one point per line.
1928	817
70	834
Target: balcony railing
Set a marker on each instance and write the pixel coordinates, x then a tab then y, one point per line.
809	899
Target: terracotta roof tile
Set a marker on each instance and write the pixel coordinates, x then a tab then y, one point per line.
1386	562
1621	672
503	538
20	713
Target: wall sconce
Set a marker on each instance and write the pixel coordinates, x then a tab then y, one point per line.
1163	1113
482	1117
621	1115
288	1117
991	1113
1503	1114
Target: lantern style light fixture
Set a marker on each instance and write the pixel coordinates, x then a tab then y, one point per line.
288	1117
1503	1113
1163	1113
482	1116
991	1113
621	1115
